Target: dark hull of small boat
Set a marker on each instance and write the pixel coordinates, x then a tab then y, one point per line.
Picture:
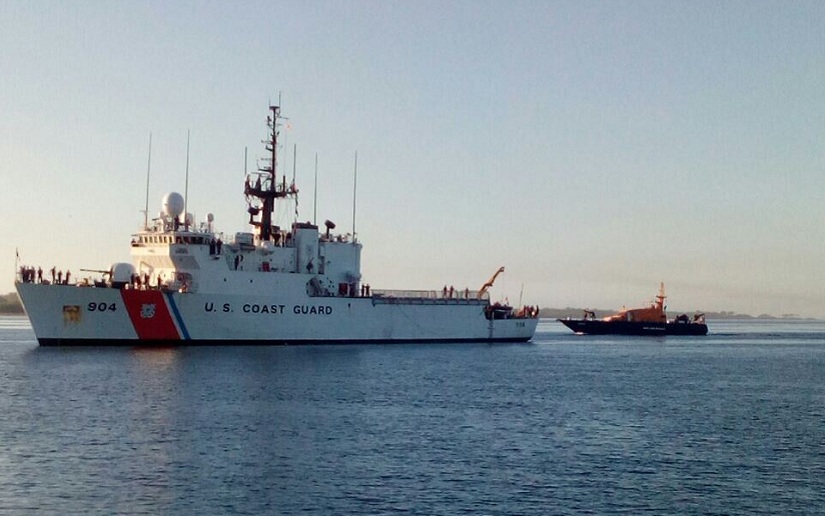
591	327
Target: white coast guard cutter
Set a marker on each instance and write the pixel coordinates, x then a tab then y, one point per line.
271	286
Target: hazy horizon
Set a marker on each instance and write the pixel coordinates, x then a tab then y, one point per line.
594	149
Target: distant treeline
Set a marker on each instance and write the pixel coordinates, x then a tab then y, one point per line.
10	305
561	313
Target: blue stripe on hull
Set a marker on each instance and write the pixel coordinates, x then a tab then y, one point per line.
176	314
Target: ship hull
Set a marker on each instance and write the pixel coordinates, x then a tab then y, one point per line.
598	327
63	315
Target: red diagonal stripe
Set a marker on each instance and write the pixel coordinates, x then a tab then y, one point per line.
149	314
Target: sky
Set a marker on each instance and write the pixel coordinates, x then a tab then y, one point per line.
594	149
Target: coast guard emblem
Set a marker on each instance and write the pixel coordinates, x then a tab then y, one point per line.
147	311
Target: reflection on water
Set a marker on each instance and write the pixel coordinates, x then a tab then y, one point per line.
157	359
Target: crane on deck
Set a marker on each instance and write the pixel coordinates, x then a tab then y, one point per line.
489	283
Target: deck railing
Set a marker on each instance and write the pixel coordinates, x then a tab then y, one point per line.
432	295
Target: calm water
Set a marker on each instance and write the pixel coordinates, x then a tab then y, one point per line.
733	423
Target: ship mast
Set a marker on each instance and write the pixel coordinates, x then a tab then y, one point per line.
660	299
264	186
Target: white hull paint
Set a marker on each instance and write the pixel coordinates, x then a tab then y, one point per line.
69	315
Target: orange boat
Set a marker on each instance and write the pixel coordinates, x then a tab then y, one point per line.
651	320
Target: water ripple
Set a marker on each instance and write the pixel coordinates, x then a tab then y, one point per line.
728	424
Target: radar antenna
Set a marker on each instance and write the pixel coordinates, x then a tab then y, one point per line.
263	184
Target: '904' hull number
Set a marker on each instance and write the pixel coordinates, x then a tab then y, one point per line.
101	307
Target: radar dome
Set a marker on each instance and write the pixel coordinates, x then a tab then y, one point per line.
173	204
210	217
